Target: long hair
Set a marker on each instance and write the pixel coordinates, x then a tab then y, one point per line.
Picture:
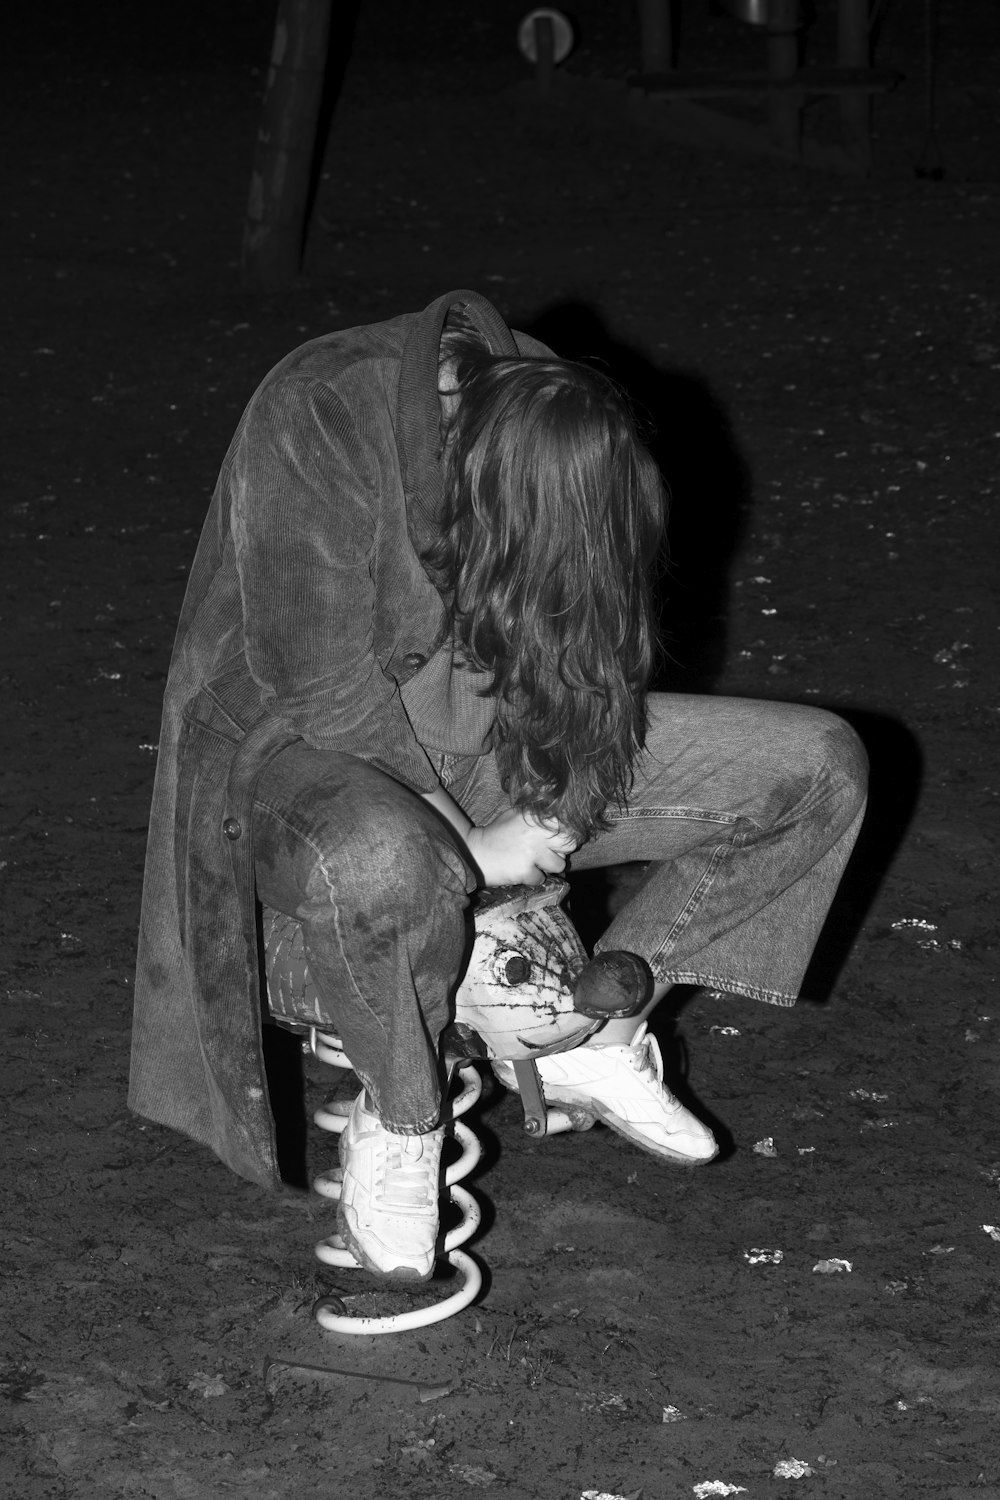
554	513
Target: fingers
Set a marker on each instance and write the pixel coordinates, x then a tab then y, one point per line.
549	862
559	839
519	849
552	845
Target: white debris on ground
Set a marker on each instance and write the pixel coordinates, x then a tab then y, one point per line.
673	1414
717	1487
766	1147
759	1257
920	924
992	1230
792	1468
607	1495
207	1385
832	1266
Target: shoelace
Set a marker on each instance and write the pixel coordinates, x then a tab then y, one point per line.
408	1179
647	1062
645	1057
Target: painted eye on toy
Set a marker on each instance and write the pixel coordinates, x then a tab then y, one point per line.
516	970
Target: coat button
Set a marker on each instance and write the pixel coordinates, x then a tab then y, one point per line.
231	828
414	659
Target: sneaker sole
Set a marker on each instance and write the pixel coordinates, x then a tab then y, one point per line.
630	1133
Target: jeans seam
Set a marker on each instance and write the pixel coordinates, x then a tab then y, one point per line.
693	902
724	983
679	814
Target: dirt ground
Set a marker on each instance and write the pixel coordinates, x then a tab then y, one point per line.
816	1313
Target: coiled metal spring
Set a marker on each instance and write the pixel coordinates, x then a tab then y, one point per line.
329	1311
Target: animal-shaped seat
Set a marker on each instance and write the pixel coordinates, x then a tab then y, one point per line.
528	989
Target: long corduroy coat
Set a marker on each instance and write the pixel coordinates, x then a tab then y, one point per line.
308	615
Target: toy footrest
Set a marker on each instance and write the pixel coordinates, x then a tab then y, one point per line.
539	1119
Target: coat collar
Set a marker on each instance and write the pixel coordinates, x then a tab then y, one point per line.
418	410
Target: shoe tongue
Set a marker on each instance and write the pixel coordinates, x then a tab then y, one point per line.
405	1183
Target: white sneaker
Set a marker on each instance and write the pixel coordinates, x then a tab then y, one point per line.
388	1210
623	1086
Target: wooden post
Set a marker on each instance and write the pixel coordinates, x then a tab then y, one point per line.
656	36
854	51
279	185
784	106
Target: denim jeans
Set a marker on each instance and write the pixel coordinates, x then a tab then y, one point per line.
744	813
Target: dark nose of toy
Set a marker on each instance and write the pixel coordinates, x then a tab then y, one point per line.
612	984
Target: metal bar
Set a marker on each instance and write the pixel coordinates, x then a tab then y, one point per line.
545	54
784	106
807	81
424	1392
656	36
532	1100
854	51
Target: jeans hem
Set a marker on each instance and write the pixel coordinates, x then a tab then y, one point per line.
727	986
423	1127
420	1127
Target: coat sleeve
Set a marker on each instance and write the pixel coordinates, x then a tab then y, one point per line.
304	516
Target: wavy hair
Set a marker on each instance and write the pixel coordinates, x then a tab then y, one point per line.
554	512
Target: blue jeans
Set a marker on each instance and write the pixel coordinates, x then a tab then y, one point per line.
745	813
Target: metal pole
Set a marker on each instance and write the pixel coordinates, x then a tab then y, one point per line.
854	51
656	36
545	55
785	106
